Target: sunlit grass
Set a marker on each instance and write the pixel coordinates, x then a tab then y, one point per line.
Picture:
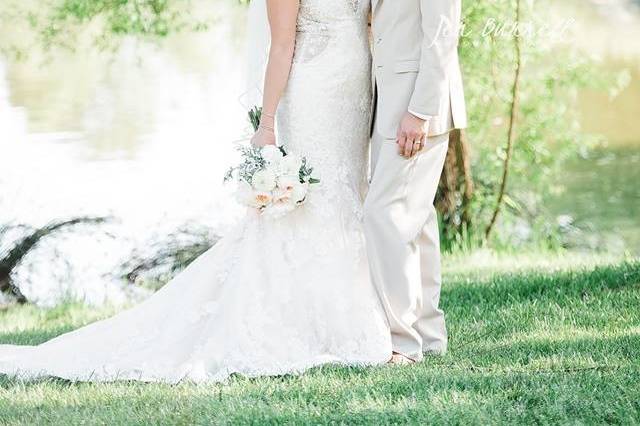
545	340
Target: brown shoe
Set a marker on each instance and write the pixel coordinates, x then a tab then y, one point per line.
399	359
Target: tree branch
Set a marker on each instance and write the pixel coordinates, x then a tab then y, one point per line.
515	104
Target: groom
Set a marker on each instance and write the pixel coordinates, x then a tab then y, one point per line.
418	101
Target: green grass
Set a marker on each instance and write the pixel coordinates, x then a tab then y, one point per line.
545	341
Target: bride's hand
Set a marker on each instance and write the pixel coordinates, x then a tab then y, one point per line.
263	137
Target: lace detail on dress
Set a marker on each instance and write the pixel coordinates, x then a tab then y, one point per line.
319	23
274	296
309	45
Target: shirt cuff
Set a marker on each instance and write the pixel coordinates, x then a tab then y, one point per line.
421	116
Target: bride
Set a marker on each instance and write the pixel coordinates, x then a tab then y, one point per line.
275	296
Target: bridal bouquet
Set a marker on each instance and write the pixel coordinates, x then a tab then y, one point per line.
270	179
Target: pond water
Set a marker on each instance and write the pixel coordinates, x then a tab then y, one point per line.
602	198
145	135
601	191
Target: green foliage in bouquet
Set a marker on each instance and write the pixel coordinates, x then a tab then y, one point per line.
253	161
255	116
306	173
252	158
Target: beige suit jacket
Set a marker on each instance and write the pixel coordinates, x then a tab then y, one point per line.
415	64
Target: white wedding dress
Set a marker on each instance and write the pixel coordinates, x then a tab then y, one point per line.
275	296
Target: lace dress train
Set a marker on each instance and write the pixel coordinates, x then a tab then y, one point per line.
274	296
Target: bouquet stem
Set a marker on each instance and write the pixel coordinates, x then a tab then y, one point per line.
255	115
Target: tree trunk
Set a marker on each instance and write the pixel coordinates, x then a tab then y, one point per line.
10	260
456	185
448	200
464	163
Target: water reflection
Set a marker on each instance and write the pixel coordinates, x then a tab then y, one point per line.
144	134
601	197
600	190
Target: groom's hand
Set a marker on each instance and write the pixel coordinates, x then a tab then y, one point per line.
411	135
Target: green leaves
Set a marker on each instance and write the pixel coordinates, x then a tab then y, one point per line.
144	17
58	22
255	115
546	133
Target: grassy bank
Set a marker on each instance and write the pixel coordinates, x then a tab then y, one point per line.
553	341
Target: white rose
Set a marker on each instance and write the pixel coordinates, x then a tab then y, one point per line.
271	154
299	192
281	196
261	199
264	180
291	164
288	182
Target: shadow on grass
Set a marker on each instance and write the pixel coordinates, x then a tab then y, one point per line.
605	353
422	393
503	289
500	291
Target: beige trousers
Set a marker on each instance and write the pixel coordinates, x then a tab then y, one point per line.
403	243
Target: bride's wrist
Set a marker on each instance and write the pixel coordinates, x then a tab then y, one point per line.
267	120
268	115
